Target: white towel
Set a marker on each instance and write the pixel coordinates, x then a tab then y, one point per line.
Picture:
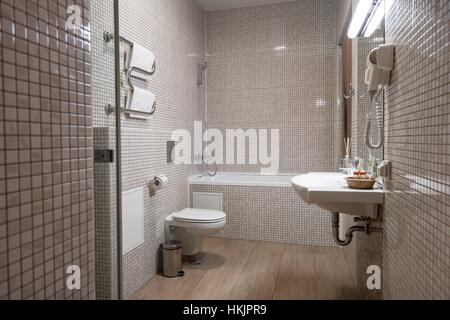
142	58
141	100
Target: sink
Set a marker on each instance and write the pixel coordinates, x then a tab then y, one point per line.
330	192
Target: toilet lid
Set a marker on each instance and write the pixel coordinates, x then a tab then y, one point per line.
199	215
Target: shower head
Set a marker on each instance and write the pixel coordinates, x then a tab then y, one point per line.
204	66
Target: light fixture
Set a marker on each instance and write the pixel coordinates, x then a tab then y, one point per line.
384	7
376	19
367	18
359	18
280	48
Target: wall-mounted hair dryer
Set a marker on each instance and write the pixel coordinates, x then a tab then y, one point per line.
380	64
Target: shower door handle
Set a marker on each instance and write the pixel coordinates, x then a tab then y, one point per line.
104	156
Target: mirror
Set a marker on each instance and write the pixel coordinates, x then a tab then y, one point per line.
357	107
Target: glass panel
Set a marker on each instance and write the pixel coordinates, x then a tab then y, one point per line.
105	167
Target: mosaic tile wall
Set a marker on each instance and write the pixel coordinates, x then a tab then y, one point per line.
105	194
174	31
106	264
46	165
416	256
274	67
271	214
343	8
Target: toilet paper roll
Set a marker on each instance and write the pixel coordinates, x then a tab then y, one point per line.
161	182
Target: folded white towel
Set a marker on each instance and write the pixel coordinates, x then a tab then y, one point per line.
141	100
142	58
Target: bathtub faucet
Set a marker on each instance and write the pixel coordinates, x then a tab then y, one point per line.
211	173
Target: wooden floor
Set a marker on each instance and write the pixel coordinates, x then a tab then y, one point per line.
249	270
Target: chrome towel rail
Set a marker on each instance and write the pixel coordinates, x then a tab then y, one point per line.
108	37
131	85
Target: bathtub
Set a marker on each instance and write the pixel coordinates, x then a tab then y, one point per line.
264	208
242	180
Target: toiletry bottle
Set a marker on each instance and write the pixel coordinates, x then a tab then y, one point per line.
375	168
372	166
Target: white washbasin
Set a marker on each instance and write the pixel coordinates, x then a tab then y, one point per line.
329	191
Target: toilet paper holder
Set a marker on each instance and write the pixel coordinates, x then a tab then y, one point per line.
156	183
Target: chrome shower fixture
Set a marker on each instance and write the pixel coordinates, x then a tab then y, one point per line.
203	68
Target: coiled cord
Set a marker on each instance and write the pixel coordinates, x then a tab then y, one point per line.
379	116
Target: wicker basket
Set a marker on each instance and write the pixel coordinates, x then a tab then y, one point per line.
363	184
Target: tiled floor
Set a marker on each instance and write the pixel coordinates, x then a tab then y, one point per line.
249	270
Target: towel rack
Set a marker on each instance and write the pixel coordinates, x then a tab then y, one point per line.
130	111
131	85
108	37
127	67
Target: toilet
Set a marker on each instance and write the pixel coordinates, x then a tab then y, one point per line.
191	226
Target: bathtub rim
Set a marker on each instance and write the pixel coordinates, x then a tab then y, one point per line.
199	180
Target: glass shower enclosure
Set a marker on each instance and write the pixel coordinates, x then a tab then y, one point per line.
106	133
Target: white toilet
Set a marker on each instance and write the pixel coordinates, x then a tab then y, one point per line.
192	225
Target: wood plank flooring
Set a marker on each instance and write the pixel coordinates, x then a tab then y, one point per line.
251	270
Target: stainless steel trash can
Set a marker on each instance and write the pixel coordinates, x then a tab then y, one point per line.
172	259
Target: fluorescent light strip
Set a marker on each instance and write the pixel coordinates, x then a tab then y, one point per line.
375	20
359	18
378	17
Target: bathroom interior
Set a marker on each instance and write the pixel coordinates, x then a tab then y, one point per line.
96	94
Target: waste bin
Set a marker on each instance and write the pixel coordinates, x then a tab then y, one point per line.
172	259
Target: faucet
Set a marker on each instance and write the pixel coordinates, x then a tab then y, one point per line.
211	173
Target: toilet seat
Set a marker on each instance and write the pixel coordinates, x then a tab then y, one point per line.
191	226
199	216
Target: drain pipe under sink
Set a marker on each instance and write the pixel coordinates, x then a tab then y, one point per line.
349	235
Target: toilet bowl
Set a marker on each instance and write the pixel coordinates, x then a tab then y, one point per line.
191	226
